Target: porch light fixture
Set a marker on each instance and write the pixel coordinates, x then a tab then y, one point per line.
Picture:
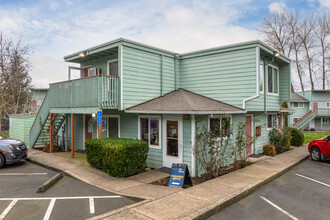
276	54
93	115
82	54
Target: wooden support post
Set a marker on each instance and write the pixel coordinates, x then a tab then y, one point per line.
72	135
51	133
100	131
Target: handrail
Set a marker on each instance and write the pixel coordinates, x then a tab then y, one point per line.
39	109
304	117
83	78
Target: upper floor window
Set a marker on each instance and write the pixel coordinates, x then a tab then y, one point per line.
113	67
149	130
220	126
261	77
298	104
272	121
272	80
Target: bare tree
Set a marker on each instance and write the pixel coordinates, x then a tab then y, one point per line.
323	34
15	81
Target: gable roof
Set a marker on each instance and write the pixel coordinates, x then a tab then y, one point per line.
297	98
182	101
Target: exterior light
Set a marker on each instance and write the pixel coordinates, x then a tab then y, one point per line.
276	54
82	54
93	115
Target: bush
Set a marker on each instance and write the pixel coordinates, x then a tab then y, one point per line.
297	137
286	142
269	150
119	157
312	129
276	139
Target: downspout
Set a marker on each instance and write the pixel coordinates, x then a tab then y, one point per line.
257	79
161	75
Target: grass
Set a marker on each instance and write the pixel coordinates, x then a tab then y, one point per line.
4	134
313	136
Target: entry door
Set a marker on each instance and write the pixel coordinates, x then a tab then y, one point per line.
113	127
88	127
315	106
173	146
248	134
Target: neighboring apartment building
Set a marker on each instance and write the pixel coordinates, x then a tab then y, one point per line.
38	95
164	97
312	109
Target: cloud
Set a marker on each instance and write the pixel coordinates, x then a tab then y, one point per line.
277	7
54	32
325	3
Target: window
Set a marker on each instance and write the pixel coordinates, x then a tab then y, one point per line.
298	104
261	79
150	130
295	120
325	120
220	126
328	104
113	67
272	80
272	121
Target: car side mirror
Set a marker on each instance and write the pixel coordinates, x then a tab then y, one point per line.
326	139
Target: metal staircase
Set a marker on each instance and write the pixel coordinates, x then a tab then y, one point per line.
39	133
303	121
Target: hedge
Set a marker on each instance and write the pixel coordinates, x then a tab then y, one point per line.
119	157
297	137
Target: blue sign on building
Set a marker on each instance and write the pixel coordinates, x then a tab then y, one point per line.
99	117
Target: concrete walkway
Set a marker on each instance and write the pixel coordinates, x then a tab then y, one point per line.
161	202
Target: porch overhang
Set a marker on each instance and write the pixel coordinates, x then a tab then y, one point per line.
182	101
86	110
186	112
287	110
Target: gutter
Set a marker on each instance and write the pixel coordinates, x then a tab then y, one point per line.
185	112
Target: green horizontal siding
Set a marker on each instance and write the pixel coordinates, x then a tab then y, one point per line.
20	127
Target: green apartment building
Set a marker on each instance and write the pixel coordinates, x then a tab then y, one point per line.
163	97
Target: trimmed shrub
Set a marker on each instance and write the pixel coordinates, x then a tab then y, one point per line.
276	139
269	150
312	129
297	137
286	142
119	157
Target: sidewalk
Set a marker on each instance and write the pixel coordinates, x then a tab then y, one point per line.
161	202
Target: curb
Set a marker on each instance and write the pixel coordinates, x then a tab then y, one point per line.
49	183
204	214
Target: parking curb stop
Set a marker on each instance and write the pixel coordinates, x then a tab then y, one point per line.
49	183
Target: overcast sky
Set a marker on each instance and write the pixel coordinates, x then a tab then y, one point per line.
54	29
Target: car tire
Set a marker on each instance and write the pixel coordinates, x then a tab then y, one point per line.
315	154
2	160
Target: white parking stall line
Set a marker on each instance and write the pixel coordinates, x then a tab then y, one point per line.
50	209
47	198
21	174
10	206
91	205
279	208
313	180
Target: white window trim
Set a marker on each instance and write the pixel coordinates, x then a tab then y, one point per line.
298	105
220	117
110	61
112	116
267	120
293	120
278	80
263	83
327	121
160	130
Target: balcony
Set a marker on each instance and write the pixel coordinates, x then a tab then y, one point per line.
100	91
323	112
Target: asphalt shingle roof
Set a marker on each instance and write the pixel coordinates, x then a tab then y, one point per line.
297	98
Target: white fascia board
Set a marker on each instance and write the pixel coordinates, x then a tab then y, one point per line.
185	112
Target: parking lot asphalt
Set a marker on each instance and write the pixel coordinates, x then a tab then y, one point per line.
301	193
67	199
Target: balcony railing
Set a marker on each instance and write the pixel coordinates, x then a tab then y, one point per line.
95	91
323	112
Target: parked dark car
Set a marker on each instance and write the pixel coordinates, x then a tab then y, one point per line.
320	149
11	151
